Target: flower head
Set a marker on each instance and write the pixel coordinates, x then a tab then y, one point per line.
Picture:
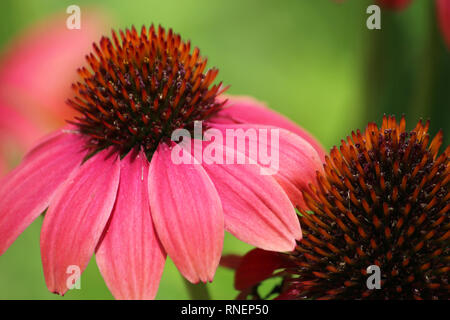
112	187
383	200
139	92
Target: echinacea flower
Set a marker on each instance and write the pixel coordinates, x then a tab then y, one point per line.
111	187
383	200
29	105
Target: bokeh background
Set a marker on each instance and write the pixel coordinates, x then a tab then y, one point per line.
312	60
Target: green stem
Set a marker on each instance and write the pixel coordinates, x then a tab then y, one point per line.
436	96
408	72
388	74
197	291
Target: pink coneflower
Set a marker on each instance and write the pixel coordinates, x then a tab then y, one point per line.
30	106
383	200
111	187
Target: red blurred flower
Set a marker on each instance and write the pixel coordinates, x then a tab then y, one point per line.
443	13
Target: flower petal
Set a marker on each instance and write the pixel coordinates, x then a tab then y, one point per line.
130	256
256	266
76	219
256	209
27	191
249	110
231	261
187	214
298	160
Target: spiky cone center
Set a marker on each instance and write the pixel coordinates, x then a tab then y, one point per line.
382	200
140	88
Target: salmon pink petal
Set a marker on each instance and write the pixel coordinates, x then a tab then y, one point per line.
248	110
76	219
443	12
298	160
187	214
256	266
130	256
46	142
27	191
256	209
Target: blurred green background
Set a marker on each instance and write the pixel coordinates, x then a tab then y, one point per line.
312	60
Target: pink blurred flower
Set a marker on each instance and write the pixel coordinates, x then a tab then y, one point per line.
35	71
16	133
129	202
